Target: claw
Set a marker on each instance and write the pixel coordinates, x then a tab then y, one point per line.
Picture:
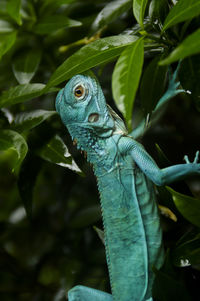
195	159
186	159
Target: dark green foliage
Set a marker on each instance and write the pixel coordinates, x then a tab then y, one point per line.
42	44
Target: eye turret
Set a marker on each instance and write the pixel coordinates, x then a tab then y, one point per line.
79	92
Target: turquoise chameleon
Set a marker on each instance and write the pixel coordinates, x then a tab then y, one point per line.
126	175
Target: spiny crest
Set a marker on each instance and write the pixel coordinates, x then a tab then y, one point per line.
84	139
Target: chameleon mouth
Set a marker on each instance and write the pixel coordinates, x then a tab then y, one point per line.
94	117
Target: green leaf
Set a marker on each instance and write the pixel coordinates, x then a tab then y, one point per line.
6	42
163	160
126	77
168	283
28	13
158	9
5	26
86	217
12	140
56	152
190	46
139	7
152	85
188	206
51	23
187	252
98	52
189	76
183	10
49	6
20	93
26	65
110	12
28	120
26	181
13	9
3	6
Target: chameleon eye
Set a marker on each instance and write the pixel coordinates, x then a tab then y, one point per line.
79	92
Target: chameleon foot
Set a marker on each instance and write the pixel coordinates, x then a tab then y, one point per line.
196	159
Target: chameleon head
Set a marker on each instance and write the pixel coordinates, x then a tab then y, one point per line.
82	107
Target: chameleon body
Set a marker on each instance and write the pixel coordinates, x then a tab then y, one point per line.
125	175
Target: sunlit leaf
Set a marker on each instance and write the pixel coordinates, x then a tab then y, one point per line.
55	151
190	46
183	10
139	7
27	120
13	8
188	206
110	12
20	93
98	52
5	26
12	140
126	77
52	23
6	42
26	65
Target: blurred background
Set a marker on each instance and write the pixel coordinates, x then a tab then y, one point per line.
50	219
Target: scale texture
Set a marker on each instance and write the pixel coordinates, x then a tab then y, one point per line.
125	176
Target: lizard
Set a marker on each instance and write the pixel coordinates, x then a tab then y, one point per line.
126	176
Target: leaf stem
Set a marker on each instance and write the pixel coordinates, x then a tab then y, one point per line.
83	41
160	40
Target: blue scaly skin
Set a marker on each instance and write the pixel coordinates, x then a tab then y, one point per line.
125	175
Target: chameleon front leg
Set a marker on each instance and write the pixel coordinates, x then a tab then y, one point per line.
149	167
83	293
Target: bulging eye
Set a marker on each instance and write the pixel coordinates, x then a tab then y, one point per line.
79	92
